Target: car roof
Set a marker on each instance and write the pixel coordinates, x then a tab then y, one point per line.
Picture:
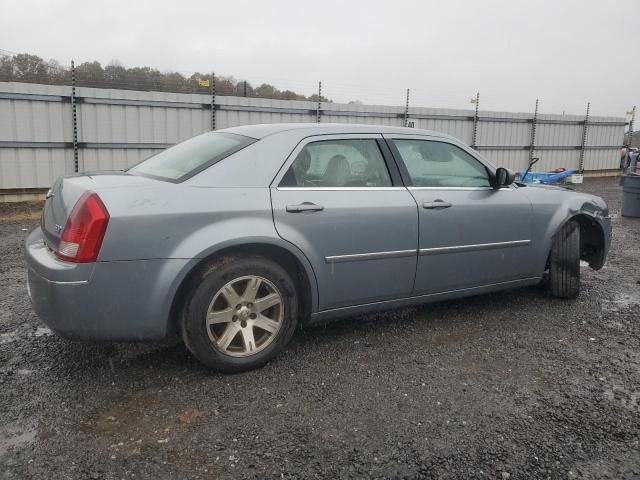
263	130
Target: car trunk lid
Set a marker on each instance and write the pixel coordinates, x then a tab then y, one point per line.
66	191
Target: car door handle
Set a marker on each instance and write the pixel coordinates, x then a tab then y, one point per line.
436	204
304	207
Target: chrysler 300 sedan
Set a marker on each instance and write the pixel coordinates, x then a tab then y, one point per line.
233	238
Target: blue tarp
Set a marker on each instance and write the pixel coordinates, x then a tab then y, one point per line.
544	177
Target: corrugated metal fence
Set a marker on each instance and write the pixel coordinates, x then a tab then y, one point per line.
117	128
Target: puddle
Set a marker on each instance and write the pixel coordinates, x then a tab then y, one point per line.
13	436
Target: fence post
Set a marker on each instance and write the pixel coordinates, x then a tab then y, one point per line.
319	102
74	114
406	110
213	101
584	139
474	138
630	136
534	125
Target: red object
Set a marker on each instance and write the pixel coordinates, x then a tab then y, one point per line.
559	170
84	231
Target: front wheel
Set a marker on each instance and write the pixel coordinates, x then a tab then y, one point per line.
564	262
241	314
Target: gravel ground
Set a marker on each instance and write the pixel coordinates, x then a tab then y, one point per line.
505	386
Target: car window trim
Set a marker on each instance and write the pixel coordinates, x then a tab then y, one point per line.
412	188
275	183
390	162
340	189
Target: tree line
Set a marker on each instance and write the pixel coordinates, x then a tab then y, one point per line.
29	68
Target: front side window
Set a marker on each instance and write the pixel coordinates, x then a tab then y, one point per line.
440	164
191	156
338	163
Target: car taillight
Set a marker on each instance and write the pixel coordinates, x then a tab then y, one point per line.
85	228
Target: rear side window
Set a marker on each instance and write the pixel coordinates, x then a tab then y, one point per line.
338	163
441	164
191	156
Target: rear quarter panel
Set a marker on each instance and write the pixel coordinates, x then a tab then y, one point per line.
180	221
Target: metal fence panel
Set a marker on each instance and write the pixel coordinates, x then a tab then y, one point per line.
118	128
113	158
33	167
504	129
514	159
31	117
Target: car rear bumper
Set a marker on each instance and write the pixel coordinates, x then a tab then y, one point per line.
127	300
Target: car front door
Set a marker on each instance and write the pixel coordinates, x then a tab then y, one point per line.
340	199
470	233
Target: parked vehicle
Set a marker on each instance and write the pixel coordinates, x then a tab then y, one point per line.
235	237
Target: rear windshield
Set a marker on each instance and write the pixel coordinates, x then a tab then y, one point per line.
185	159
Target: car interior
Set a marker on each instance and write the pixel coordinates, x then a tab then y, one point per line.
349	163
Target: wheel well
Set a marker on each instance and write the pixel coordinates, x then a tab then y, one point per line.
277	254
592	241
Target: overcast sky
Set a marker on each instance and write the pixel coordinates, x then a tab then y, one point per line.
565	52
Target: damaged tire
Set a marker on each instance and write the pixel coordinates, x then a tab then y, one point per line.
564	262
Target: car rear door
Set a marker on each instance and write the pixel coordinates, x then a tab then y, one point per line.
470	233
340	199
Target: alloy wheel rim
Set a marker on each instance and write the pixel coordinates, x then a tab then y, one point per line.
245	316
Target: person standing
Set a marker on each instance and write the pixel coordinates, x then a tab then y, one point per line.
634	155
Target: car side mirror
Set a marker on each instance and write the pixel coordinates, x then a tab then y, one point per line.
503	177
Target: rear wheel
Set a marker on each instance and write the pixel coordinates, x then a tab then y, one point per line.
564	262
242	314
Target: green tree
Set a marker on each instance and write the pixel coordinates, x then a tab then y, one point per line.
90	74
6	68
174	82
29	68
57	74
265	91
115	74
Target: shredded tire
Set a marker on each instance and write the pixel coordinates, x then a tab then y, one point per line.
564	262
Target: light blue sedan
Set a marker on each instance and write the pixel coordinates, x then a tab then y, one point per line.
235	237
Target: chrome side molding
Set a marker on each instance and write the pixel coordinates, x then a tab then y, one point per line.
473	248
356	257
